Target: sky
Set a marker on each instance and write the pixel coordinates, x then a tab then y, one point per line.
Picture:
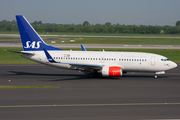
128	12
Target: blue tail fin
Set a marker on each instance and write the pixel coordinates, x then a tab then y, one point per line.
31	41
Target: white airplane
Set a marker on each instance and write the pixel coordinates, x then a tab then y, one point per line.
92	62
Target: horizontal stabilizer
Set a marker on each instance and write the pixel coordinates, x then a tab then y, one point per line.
21	52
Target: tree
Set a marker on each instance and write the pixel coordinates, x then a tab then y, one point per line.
118	25
86	23
178	23
108	24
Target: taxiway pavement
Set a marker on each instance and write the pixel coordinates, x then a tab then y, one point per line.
100	46
130	97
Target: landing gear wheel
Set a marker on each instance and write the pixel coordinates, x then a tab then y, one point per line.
93	74
155	76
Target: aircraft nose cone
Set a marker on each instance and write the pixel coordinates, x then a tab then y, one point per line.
173	65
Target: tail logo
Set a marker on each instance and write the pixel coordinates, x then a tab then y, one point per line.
33	44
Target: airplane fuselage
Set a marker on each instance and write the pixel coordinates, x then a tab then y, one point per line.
128	61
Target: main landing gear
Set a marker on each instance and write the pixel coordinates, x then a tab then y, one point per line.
93	73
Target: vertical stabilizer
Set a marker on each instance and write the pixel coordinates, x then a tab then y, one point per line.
31	41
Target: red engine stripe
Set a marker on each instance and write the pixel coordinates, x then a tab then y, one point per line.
114	71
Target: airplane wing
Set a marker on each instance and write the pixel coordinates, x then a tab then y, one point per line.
79	65
94	66
50	59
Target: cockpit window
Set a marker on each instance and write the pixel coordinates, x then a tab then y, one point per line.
164	59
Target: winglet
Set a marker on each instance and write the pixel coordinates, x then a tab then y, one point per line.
50	59
83	48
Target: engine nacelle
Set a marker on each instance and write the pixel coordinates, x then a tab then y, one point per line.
111	71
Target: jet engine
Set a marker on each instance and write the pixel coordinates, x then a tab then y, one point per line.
111	71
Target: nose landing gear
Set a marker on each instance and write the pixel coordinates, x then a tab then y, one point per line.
158	73
155	76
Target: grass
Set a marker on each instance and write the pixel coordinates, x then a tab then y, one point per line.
110	34
132	40
9	38
122	41
12	58
3	32
15	58
26	87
